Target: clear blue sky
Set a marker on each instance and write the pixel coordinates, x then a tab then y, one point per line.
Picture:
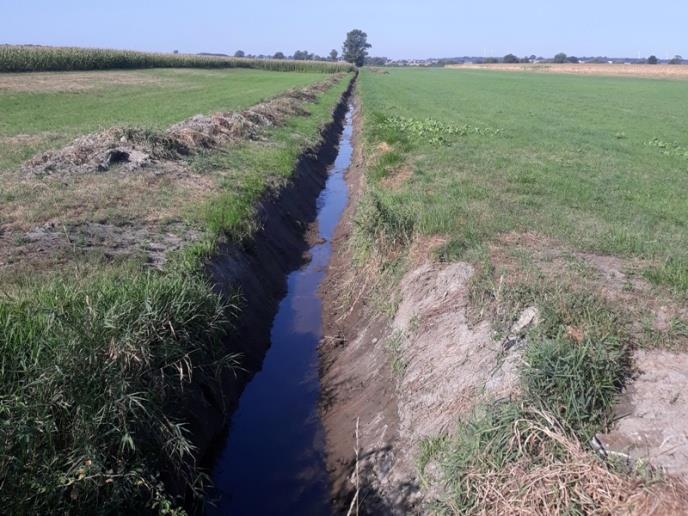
397	29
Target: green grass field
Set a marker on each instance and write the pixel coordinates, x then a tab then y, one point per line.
601	163
47	110
573	158
535	180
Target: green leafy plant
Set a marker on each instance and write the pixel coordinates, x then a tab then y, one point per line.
433	131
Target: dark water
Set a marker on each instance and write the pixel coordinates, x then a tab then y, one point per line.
273	462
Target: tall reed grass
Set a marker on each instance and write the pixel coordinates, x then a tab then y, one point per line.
54	59
91	376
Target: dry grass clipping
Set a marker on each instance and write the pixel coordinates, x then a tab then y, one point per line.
136	148
556	475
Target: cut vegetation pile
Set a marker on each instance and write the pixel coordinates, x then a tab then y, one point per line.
136	148
519	460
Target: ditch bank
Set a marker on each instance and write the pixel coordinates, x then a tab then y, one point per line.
396	375
257	270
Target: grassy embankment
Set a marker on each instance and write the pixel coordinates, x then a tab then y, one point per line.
96	354
47	110
530	178
15	58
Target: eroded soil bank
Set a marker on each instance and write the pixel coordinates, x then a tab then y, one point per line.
358	402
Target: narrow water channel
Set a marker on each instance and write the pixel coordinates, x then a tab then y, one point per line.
273	462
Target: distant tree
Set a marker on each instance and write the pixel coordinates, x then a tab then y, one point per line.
355	48
572	59
652	60
278	55
510	58
560	58
532	57
376	61
490	60
175	51
676	60
524	60
239	53
333	55
303	55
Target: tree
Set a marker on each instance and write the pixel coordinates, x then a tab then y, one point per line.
355	48
239	53
560	58
572	59
303	55
334	55
376	61
652	60
510	58
676	60
278	55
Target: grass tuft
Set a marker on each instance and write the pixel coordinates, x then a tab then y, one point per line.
673	273
577	382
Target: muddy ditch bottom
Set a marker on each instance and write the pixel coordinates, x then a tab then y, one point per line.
273	461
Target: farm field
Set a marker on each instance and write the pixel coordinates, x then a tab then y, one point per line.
49	109
527	233
259	279
598	163
107	313
659	71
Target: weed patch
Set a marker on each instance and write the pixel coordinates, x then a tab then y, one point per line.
669	148
433	131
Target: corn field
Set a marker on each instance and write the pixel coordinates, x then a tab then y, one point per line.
47	59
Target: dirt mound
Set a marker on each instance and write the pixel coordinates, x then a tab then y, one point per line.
652	413
138	148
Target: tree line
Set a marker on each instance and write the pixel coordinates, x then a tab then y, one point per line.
562	58
354	51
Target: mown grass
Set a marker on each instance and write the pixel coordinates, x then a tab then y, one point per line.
568	157
37	59
96	362
573	160
48	116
